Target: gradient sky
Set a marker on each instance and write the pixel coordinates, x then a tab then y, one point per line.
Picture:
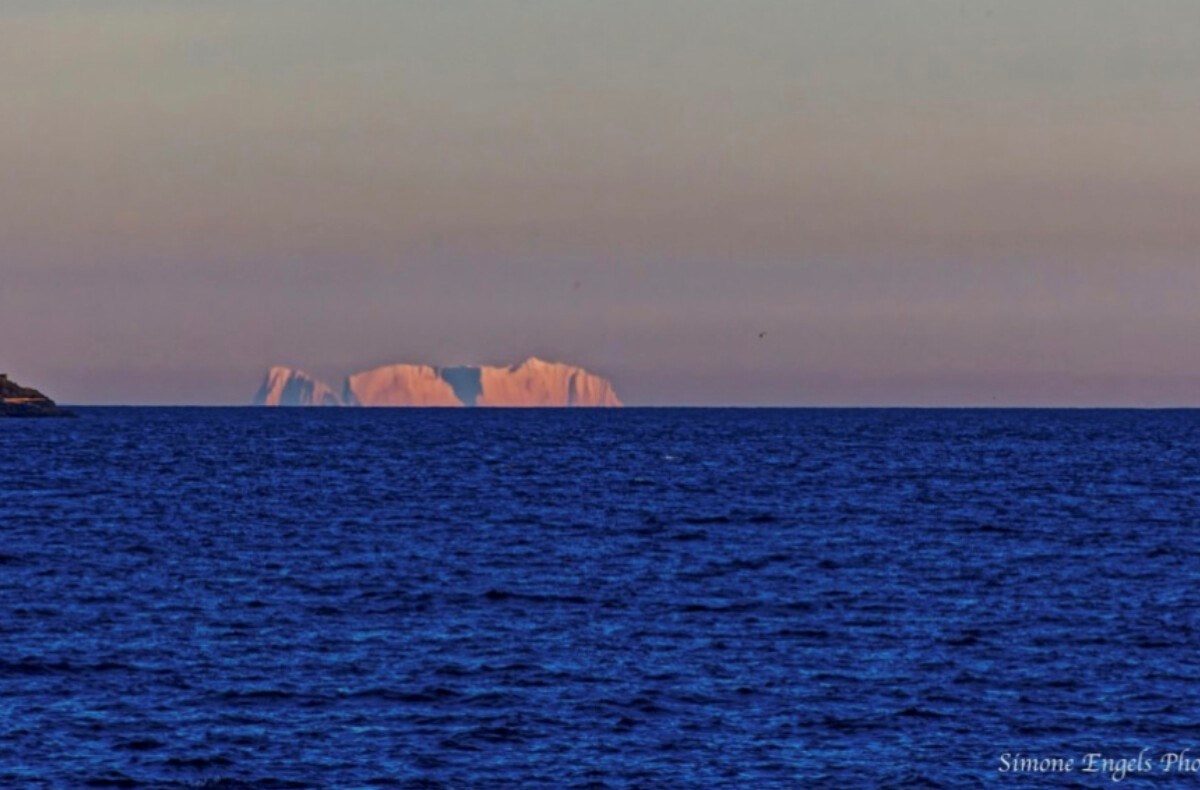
920	202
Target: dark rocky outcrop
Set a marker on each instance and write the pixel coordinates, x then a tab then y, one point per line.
18	401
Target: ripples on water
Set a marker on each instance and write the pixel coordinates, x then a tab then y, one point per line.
360	598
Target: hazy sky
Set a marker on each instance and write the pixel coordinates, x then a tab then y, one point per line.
920	202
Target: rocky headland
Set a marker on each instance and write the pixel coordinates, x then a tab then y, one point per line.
18	401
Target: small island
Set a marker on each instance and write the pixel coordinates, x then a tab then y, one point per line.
18	401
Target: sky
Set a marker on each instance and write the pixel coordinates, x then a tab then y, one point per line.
920	202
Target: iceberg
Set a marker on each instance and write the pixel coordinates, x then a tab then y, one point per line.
532	383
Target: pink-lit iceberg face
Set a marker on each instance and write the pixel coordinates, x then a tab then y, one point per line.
532	383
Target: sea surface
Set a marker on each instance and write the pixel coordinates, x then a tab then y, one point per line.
229	598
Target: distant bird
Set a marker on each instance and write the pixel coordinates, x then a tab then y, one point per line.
761	335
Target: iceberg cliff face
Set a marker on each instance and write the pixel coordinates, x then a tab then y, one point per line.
401	385
538	383
287	387
532	383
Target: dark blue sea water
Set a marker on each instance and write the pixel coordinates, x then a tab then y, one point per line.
650	598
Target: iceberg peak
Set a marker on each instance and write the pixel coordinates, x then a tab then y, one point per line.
288	387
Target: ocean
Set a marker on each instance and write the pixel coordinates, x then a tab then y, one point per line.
355	598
